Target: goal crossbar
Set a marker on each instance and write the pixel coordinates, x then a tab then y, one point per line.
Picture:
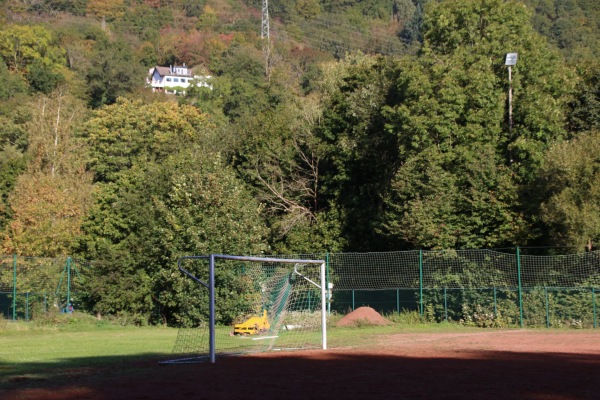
210	285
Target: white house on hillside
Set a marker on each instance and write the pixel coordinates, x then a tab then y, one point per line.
174	79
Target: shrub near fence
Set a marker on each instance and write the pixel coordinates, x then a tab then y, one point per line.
474	287
29	285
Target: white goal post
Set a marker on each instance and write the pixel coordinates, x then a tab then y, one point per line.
293	274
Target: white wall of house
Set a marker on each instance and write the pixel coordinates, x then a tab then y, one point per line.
173	79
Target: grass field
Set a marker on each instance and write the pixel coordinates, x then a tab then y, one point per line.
32	353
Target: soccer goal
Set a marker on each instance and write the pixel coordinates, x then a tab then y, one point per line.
252	304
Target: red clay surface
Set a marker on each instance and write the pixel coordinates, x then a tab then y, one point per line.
517	364
363	315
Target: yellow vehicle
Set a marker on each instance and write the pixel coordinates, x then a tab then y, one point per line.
253	325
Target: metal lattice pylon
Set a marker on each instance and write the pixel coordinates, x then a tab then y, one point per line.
265	35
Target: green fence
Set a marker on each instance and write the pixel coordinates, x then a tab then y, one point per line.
476	287
32	284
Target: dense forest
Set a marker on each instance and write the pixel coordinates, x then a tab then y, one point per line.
353	126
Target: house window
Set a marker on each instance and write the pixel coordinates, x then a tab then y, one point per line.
183	80
168	79
175	80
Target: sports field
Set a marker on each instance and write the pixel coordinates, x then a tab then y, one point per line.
397	362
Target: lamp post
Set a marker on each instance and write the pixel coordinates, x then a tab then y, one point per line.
511	59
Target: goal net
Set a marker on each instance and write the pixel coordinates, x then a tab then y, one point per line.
251	304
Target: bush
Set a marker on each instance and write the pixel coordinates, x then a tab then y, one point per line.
483	317
406	317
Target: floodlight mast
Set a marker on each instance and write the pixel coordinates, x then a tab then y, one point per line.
211	300
511	59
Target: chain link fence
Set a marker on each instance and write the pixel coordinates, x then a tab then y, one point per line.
474	287
31	285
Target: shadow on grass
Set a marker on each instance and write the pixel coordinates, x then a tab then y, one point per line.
332	374
31	374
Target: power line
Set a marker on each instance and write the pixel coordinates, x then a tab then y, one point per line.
317	35
329	34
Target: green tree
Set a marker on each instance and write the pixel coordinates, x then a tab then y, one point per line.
27	46
13	84
206	210
75	7
113	72
43	79
130	133
279	155
107	10
308	8
161	191
126	139
468	205
82	40
12	164
570	25
49	199
584	113
15	114
193	8
411	33
453	111
247	92
145	21
571	179
359	154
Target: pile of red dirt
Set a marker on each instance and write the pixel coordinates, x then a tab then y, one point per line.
363	316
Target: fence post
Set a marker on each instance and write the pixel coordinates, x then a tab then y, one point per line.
353	300
495	304
520	287
421	282
211	307
594	306
445	305
68	281
547	307
14	287
398	300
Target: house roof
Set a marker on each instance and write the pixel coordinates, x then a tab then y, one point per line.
163	71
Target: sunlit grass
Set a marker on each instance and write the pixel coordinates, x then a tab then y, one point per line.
32	352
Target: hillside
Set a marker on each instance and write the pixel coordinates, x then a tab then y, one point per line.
358	126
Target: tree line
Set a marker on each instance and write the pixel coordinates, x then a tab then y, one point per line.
356	153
